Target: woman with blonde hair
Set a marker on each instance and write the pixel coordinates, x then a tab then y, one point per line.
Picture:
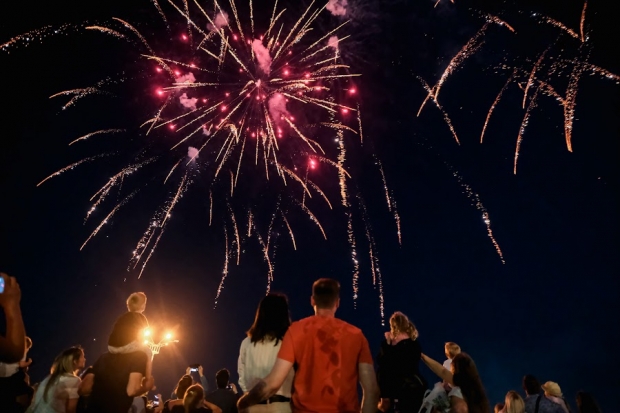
193	401
514	403
58	393
398	373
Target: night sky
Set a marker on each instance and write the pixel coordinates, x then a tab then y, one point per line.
551	310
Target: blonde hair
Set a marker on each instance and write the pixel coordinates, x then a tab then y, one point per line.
136	302
452	349
64	363
193	397
514	403
399	323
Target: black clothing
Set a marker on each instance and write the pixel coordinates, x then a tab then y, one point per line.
398	374
112	372
225	399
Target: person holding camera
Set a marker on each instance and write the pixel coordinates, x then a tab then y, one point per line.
225	397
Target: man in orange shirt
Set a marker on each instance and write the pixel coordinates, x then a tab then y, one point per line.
330	357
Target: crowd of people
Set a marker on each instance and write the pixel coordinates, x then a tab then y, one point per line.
314	365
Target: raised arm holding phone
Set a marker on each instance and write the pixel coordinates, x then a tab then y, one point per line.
13	344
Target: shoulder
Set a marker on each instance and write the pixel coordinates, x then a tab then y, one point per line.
70	380
349	328
246	342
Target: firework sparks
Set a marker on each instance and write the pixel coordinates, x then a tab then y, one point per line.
495	102
524	123
471	47
72	166
99	132
474	197
443	112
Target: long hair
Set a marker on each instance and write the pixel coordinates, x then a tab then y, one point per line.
586	403
184	383
467	378
514	403
193	397
64	363
399	323
272	319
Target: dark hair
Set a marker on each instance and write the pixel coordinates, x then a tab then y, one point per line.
221	378
586	403
193	397
272	319
127	329
467	378
184	383
325	292
531	385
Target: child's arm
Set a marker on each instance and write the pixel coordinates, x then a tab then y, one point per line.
438	369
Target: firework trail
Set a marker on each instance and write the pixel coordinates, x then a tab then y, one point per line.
99	132
107	218
107	30
526	118
73	165
78	94
220	287
377	279
37	36
533	72
290	231
471	47
443	112
389	199
495	102
112	182
474	197
560	26
582	22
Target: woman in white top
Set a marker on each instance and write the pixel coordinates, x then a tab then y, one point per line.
260	349
58	393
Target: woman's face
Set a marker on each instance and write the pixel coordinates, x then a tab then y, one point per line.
81	362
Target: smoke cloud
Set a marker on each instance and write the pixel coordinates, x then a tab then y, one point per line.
262	55
189	103
337	7
220	20
277	107
192	152
333	42
188	78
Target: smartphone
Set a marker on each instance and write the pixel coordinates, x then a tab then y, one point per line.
193	369
1	285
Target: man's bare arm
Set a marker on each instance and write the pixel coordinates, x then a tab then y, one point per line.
267	387
13	346
370	389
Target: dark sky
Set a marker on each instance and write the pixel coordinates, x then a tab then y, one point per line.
551	310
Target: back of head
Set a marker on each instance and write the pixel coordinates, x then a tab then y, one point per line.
193	398
514	402
467	378
221	378
531	385
127	329
452	349
64	363
326	292
399	323
586	403
184	383
272	319
136	302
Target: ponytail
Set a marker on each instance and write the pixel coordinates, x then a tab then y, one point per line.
193	397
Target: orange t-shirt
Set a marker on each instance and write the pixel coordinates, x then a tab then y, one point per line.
326	352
